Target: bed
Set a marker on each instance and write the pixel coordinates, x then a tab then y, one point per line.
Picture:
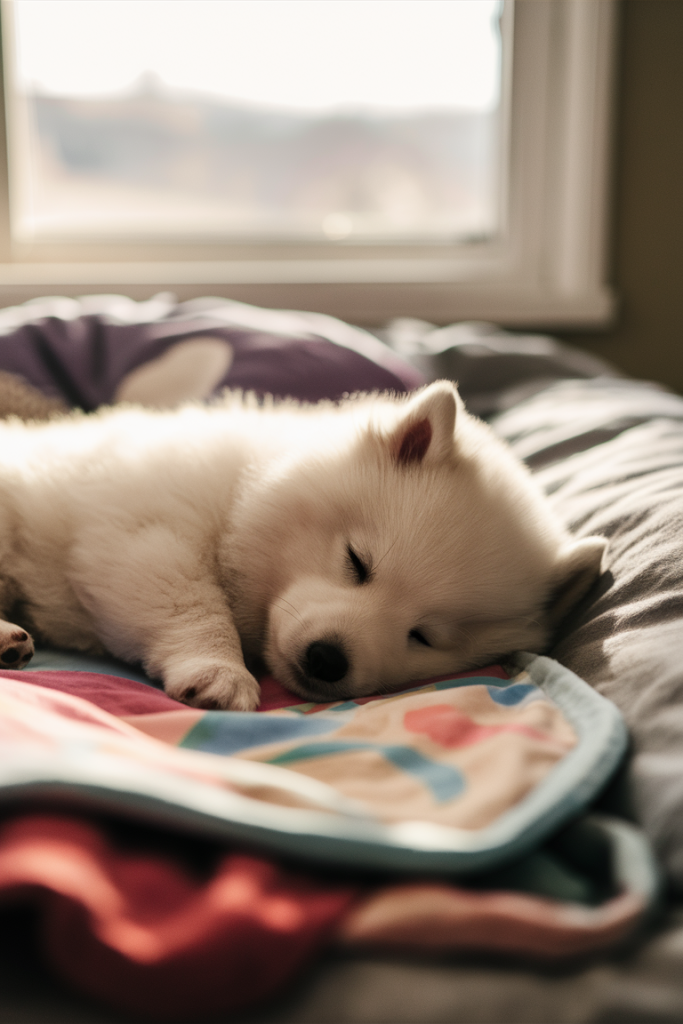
607	450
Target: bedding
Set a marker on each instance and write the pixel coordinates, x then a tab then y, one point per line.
609	452
626	640
135	929
450	776
86	352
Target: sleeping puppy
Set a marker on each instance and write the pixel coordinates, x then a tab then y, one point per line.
348	548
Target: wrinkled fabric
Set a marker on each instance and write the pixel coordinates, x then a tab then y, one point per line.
140	932
81	350
610	458
142	927
457	751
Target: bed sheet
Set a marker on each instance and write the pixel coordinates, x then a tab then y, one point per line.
609	453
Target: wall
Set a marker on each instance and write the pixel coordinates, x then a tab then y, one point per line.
647	260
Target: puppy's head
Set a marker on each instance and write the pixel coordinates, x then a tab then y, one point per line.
415	548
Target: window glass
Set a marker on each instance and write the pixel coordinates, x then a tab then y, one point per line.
264	120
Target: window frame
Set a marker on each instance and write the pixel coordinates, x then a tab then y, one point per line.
548	267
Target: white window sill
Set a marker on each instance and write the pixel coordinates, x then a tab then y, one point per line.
361	291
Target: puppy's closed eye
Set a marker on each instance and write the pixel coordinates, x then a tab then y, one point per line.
415	634
359	570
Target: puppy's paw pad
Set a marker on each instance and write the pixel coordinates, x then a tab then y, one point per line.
213	685
16	646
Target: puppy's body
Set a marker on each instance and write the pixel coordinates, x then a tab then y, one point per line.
351	548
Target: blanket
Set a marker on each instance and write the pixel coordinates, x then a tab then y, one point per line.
147	934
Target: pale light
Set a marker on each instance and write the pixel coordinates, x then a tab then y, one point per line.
306	55
337	225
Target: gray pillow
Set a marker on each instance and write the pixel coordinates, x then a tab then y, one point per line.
609	454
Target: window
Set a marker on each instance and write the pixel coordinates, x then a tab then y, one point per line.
444	159
351	130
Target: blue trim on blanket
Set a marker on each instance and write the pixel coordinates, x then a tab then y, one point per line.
508	696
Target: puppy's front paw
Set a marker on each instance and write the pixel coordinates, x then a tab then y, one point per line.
16	646
216	685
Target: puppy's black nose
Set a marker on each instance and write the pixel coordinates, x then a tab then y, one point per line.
325	662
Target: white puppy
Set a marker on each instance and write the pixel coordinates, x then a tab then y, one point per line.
348	548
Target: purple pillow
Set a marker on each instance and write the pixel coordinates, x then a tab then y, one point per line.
81	350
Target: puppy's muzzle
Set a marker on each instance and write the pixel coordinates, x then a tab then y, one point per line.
325	662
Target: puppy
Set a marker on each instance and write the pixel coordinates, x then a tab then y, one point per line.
347	548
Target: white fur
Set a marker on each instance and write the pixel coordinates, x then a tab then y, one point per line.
192	540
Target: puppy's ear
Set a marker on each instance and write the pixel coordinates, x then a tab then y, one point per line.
577	570
426	428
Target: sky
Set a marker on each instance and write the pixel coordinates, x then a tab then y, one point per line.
304	55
